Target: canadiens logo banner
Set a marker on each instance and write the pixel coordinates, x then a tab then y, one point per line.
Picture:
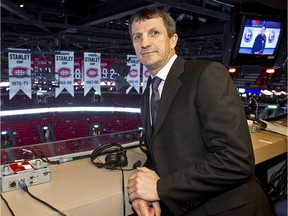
133	77
19	73
64	67
92	72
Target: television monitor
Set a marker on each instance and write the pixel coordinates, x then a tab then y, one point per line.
258	41
120	69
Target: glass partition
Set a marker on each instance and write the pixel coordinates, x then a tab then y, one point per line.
64	149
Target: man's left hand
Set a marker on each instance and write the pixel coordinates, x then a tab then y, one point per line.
143	185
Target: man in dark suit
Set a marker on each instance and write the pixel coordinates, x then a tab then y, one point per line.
200	158
259	42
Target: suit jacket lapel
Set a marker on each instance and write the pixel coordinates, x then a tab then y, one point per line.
171	86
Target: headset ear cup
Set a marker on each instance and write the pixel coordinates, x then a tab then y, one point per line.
123	159
112	160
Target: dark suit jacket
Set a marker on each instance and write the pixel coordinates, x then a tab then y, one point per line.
201	146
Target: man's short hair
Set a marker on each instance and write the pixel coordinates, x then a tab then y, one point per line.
149	13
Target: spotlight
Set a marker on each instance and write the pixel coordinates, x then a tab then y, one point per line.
232	70
270	70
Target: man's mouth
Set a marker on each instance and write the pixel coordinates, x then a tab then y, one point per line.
147	52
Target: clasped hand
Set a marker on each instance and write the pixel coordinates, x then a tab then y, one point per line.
142	192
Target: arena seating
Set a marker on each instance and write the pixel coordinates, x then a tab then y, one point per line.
26	130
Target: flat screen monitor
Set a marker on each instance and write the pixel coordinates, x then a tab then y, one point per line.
260	37
258	41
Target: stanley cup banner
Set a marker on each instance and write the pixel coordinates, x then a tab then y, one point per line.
133	77
146	74
64	67
19	73
92	72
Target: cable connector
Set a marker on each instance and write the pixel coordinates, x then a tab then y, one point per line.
23	185
64	160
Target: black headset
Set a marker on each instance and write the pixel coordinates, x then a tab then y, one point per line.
114	160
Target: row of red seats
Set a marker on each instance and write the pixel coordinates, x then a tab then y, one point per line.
28	131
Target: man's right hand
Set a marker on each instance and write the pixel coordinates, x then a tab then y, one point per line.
144	208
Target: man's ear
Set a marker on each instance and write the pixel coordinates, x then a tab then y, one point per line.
173	41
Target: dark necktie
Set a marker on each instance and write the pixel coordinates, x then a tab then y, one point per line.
155	97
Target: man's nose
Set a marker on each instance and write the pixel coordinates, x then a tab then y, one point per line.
145	42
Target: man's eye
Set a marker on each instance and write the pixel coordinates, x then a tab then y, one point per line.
137	37
155	32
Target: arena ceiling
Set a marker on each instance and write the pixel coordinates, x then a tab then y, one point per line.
102	25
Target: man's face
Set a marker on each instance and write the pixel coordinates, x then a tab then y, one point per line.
152	45
263	30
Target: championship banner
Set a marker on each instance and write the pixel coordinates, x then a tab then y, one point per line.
42	71
19	73
92	72
133	77
64	67
42	64
145	75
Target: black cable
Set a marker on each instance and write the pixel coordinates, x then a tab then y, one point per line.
42	156
24	187
38	154
278	183
34	151
123	192
11	211
135	165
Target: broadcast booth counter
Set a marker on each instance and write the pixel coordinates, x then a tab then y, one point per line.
78	187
